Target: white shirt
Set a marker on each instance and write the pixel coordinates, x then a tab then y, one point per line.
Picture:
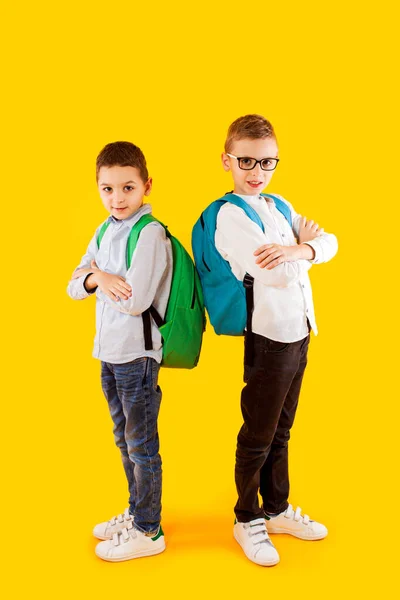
282	296
119	326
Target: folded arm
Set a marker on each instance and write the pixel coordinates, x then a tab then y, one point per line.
149	263
325	245
243	237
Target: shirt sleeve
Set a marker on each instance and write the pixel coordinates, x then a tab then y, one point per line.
148	267
325	246
76	288
242	238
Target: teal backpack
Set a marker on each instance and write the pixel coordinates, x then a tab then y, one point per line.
184	323
229	302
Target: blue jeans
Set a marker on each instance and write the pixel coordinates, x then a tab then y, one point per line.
134	399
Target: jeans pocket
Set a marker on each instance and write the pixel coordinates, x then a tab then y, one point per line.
150	373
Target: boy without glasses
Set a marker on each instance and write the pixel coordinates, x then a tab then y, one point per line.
129	371
276	346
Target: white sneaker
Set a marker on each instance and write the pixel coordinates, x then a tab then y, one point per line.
105	531
257	546
294	523
127	544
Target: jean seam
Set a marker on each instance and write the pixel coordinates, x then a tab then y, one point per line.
153	482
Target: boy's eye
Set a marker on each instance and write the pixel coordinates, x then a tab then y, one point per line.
266	162
107	189
129	188
245	161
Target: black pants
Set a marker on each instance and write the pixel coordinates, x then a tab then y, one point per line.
269	402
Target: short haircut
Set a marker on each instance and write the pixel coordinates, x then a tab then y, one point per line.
253	127
122	154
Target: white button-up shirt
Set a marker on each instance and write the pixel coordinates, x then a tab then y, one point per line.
282	296
119	326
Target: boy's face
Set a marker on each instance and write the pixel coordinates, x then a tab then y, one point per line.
122	190
254	181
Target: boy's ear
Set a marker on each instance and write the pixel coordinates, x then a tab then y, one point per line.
225	162
147	186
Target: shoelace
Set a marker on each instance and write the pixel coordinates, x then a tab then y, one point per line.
125	516
123	536
296	515
258	531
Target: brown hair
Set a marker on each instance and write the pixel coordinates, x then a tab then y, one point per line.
250	126
122	154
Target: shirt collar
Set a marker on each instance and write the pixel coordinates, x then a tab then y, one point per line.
145	209
256	198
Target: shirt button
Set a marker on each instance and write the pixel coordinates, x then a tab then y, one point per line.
302	285
283	235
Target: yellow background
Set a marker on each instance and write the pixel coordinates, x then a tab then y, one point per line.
171	77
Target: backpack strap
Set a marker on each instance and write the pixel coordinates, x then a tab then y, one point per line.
248	283
102	231
159	321
240	203
134	236
251	213
148	342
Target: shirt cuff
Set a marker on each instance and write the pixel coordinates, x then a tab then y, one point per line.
89	292
317	250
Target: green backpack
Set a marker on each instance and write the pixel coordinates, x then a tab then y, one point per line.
184	323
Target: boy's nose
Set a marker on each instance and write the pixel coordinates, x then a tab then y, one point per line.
118	199
257	169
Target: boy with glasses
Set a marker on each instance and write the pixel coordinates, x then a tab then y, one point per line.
276	343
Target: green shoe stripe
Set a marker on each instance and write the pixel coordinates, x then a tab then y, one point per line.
159	534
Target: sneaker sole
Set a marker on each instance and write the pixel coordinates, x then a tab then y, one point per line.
140	554
297	535
262	564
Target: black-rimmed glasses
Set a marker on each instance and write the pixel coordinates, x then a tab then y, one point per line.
247	164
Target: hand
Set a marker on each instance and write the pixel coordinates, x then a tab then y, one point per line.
114	286
272	255
308	230
79	272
